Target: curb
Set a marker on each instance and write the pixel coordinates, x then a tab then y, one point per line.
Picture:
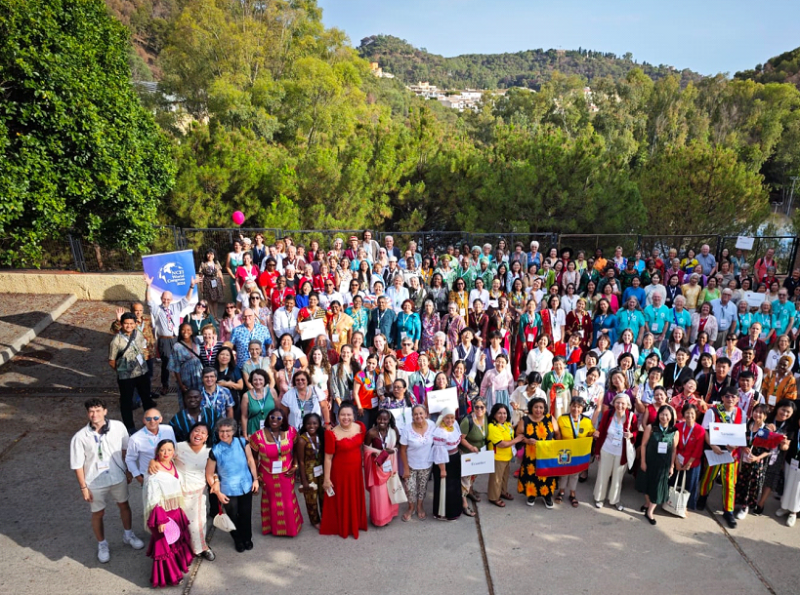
17	344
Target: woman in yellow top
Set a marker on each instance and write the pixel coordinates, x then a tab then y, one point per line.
691	291
574	425
501	438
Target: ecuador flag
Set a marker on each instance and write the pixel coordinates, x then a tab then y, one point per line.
562	457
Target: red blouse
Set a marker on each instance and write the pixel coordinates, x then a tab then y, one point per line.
691	444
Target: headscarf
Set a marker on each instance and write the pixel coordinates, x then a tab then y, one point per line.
442	414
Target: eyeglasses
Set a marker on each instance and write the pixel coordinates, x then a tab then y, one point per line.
154	418
478	407
202	306
255	298
230	307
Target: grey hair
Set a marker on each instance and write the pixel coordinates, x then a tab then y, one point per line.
440	335
226	422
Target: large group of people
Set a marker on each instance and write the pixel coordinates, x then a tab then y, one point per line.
315	379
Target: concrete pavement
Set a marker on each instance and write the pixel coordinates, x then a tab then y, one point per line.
46	543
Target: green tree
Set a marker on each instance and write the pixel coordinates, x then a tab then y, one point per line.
699	188
78	152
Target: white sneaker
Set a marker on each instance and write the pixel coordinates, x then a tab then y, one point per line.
781	512
133	541
742	513
598	504
102	553
791	519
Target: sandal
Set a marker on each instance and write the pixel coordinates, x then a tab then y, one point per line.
559	498
506	496
406	516
421	515
583	478
498	503
467	511
473	496
574	501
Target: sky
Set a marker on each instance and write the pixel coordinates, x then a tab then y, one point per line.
707	36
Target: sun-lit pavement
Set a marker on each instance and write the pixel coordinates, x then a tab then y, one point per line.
46	544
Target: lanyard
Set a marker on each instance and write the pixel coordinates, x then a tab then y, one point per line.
575	427
676	373
212	401
99	441
278	444
688	436
313	444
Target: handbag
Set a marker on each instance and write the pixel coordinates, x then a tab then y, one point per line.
678	498
381	458
630	449
172	532
394	486
223	522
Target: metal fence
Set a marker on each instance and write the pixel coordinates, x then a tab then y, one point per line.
73	253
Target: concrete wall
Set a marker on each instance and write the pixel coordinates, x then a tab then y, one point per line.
85	286
109	287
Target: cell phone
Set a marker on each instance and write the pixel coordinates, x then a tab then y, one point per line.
330	492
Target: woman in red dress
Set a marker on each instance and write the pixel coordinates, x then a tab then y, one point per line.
345	511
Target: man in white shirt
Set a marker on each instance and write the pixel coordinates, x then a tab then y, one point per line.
97	455
329	295
142	444
285	320
166	318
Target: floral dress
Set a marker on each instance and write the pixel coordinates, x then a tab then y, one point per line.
430	326
212	281
531	484
752	475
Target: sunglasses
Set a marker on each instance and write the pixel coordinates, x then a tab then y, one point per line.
230	307
202	306
154	418
479	407
254	299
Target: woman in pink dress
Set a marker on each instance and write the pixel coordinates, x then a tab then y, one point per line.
380	463
345	511
170	545
273	445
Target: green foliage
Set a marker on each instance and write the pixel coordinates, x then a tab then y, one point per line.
530	69
780	69
78	152
698	182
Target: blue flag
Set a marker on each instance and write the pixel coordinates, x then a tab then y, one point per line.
171	271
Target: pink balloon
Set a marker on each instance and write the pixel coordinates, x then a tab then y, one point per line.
238	217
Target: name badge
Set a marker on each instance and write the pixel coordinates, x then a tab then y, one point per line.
680	460
374	401
462	312
261	424
662	448
654	327
504	332
387	466
531	338
772	399
102	466
403	335
140	359
277	466
335	337
318	470
213	283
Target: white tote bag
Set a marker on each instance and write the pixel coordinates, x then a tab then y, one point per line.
394	486
678	497
223	522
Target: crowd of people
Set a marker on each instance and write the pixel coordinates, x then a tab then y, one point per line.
315	376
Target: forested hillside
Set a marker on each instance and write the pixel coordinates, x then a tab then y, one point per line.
780	69
276	115
530	69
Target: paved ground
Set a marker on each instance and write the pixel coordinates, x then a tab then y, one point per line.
46	545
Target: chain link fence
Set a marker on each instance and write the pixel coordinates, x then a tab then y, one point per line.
73	253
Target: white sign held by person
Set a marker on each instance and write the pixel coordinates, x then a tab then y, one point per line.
477	463
754	299
443	399
744	243
727	434
311	329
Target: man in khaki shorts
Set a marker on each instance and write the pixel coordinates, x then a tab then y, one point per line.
97	455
